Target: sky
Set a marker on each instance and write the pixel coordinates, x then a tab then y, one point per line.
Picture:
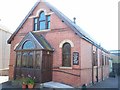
99	18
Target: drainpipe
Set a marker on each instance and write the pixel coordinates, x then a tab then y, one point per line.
97	63
92	67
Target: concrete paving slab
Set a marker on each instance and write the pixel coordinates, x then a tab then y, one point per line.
3	79
56	85
107	83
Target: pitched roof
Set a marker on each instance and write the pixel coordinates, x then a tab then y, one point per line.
66	20
41	42
44	43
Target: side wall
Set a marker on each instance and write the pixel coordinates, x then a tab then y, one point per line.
86	62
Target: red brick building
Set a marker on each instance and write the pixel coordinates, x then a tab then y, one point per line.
50	47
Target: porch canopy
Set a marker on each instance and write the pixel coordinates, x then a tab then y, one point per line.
34	57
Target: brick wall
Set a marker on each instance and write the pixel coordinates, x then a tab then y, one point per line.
76	75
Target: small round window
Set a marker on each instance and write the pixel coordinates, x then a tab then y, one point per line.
28	45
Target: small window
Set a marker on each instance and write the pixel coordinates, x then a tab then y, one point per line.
35	24
66	55
28	45
102	60
95	62
48	22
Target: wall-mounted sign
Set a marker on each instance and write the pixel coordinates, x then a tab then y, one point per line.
75	58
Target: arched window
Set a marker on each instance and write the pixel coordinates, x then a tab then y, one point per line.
28	45
66	55
42	22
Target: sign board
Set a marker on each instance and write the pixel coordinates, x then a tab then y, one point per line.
75	58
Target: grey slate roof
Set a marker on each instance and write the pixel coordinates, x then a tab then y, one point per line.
40	38
66	20
41	42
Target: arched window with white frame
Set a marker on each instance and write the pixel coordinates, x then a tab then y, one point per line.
66	55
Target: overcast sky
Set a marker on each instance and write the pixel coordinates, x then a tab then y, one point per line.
99	18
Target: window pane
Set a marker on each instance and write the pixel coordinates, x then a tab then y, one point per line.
28	45
102	60
66	60
48	22
48	25
35	20
42	25
37	61
18	60
42	16
95	62
35	27
66	48
35	24
30	60
24	60
66	55
48	18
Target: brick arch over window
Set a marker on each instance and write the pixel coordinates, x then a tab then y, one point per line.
39	11
16	46
66	41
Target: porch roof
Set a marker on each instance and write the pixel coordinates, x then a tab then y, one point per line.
39	41
40	38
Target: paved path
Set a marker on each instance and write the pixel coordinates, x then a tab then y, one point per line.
110	83
107	83
56	85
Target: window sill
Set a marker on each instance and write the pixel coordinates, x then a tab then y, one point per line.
46	30
65	67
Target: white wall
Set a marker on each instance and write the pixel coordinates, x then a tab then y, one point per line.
4	49
0	49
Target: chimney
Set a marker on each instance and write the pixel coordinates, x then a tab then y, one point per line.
74	20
